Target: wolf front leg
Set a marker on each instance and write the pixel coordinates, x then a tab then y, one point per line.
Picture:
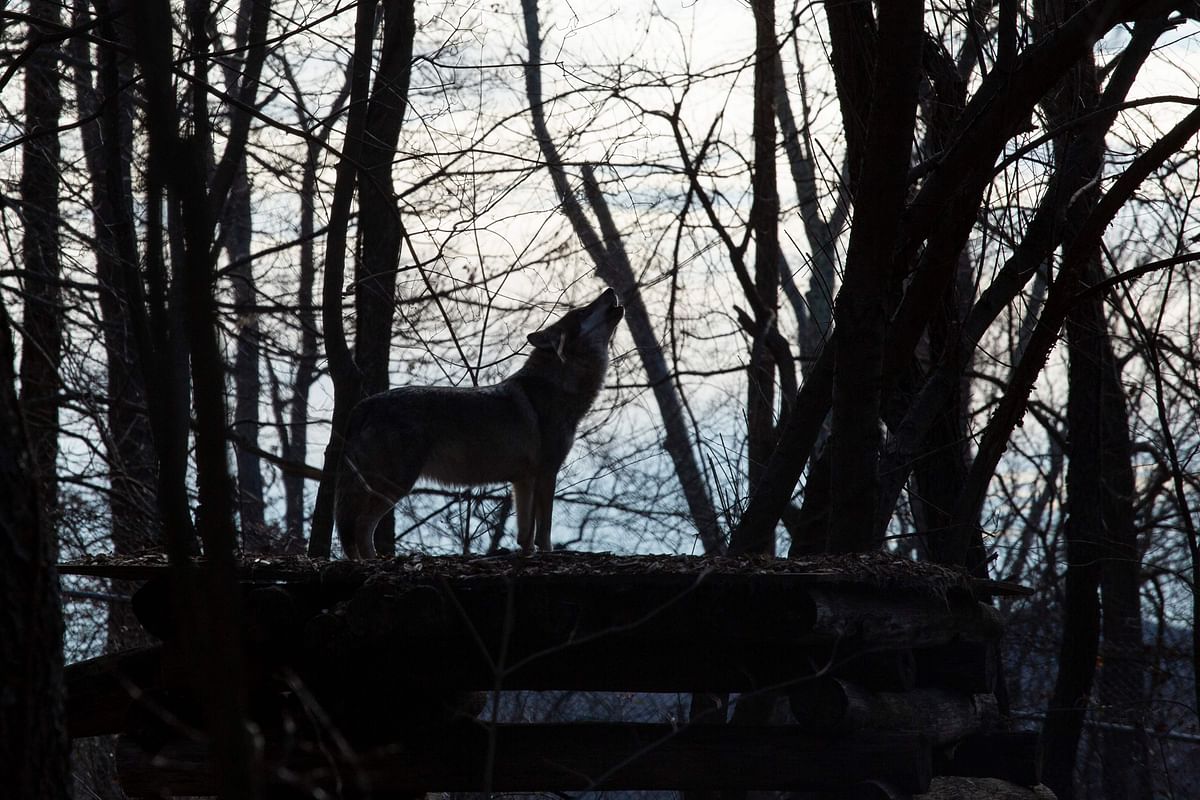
543	504
523	503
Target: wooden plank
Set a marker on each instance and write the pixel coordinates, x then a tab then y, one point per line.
567	757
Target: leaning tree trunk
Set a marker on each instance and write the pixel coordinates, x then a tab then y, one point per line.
814	311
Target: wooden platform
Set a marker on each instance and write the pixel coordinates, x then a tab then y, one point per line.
888	664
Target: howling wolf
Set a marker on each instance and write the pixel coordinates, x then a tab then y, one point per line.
518	431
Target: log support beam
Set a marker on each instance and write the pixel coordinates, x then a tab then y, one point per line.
565	757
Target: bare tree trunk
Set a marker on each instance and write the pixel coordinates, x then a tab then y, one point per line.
128	441
236	233
1100	527
33	742
940	471
764	215
206	598
295	439
942	216
861	312
380	228
247	379
347	381
41	352
612	266
1109	471
33	733
306	360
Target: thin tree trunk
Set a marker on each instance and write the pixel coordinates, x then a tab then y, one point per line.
1122	690
236	234
296	438
1081	606
764	215
306	359
816	313
247	379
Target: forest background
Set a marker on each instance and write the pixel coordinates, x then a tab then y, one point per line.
225	222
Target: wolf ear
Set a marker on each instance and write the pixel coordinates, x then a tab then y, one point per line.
549	339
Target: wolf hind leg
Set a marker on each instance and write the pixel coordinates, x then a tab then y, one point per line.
362	505
366	520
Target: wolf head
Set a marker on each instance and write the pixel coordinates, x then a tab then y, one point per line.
582	331
579	340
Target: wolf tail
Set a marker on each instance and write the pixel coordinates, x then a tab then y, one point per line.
343	513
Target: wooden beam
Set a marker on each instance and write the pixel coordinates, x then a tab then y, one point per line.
566	757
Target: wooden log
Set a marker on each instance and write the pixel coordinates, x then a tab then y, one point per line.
867	790
567	757
834	705
958	788
1011	756
886	621
101	691
962	666
558	609
688	633
878	670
